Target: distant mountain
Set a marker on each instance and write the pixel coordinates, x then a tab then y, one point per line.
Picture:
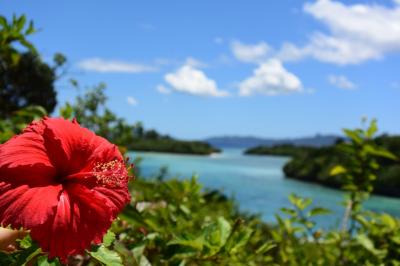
249	141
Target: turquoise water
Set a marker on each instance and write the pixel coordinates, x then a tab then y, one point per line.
256	182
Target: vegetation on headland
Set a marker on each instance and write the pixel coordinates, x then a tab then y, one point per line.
246	142
172	146
313	164
176	222
278	150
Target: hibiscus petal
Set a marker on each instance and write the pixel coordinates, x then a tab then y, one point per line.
82	217
23	159
27	207
75	148
116	198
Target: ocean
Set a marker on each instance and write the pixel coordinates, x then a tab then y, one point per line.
256	182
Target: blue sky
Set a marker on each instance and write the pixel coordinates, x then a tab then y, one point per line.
195	69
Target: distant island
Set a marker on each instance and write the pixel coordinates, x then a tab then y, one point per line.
313	164
279	150
170	145
250	141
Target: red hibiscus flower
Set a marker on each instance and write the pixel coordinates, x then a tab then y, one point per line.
63	183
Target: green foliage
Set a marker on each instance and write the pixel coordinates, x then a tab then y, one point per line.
177	222
14	32
106	256
173	146
24	78
343	165
360	163
280	150
15	124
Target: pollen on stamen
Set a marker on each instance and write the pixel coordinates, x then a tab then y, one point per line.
110	174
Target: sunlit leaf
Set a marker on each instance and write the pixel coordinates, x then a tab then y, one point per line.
106	256
337	170
265	248
318	211
108	238
44	261
372	129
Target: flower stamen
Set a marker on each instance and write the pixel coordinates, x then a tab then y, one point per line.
111	174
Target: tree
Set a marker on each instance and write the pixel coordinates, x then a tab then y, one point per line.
25	80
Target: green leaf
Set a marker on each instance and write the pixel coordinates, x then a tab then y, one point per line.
337	170
184	209
15	57
304	203
6	259
318	211
28	255
353	135
26	242
108	238
3	21
265	248
288	211
369	245
20	23
44	261
372	129
380	152
389	221
365	242
29	46
239	240
31	29
139	257
67	111
217	233
106	256
193	243
294	199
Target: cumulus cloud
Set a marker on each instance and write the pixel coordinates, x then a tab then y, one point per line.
131	101
163	90
270	78
356	33
190	61
250	53
341	82
113	66
189	79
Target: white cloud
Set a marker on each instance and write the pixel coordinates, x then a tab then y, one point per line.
113	66
341	82
193	81
190	61
250	53
357	33
132	101
270	78
163	90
